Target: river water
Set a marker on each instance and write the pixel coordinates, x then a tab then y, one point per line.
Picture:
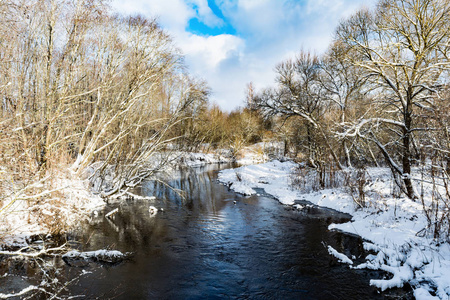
211	243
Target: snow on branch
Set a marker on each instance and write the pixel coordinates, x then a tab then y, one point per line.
22	292
355	130
34	253
401	274
105	256
340	256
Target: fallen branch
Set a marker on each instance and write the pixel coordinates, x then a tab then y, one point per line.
22	292
126	194
43	251
112	213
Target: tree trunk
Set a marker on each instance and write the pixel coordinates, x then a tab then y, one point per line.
406	155
447	169
310	139
286	146
348	160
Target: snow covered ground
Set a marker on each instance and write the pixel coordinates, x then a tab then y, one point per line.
25	214
389	225
256	153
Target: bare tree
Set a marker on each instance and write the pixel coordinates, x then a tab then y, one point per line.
299	93
80	86
404	47
344	86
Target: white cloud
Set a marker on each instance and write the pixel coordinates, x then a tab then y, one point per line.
206	53
172	14
268	31
254	17
252	5
273	31
205	14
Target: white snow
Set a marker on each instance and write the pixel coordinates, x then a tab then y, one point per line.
273	177
340	256
128	195
112	213
21	217
390	224
101	255
423	294
201	159
152	210
252	154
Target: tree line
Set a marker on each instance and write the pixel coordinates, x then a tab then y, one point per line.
80	85
378	95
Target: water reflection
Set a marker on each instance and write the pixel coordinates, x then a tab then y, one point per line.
205	246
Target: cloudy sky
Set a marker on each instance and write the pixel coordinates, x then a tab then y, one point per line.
230	43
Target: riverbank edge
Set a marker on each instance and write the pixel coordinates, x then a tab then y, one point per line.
391	224
23	221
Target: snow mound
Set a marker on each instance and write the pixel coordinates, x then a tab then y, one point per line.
72	203
273	177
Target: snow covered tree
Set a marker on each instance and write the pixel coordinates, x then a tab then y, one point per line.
79	86
344	88
403	48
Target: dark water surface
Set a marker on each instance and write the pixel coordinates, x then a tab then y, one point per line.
206	247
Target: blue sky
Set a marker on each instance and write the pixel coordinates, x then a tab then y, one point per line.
230	43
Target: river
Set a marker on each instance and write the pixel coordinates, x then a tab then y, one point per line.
211	243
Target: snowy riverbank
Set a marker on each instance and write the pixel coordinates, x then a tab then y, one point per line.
253	154
390	225
26	214
61	201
